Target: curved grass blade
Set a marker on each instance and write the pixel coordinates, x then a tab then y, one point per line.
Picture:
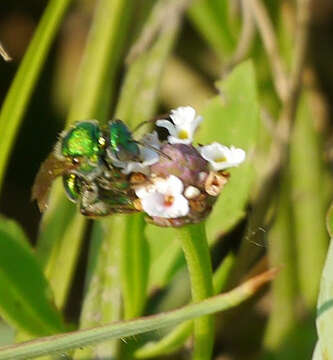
64	342
21	89
25	296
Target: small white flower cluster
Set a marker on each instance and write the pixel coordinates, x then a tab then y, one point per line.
164	197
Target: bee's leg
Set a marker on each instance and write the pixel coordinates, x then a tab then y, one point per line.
90	204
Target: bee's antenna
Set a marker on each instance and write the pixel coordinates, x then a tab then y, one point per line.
163	116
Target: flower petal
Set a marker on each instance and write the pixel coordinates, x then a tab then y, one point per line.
175	185
164	198
184	127
182	115
221	157
175	140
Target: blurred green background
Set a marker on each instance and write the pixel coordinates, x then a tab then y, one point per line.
202	55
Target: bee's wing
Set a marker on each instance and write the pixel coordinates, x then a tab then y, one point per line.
50	169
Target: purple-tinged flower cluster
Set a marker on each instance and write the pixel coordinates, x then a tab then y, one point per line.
179	184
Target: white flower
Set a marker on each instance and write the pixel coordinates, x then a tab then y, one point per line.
164	198
147	156
221	157
185	124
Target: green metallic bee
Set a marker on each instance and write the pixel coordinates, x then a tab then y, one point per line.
89	178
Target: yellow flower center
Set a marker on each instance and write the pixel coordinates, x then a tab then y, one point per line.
220	159
168	200
183	134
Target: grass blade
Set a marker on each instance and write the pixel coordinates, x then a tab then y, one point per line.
282	253
177	337
102	301
17	99
211	19
309	203
134	265
64	342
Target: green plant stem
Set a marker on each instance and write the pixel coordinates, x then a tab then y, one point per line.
24	82
60	343
194	243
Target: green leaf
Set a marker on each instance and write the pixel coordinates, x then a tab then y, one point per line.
325	301
25	296
64	342
17	99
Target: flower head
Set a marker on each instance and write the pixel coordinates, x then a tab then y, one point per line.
147	156
183	161
163	198
185	122
221	157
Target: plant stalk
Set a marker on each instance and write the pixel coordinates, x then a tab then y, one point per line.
194	243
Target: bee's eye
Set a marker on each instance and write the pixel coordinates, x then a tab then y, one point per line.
82	140
72	186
